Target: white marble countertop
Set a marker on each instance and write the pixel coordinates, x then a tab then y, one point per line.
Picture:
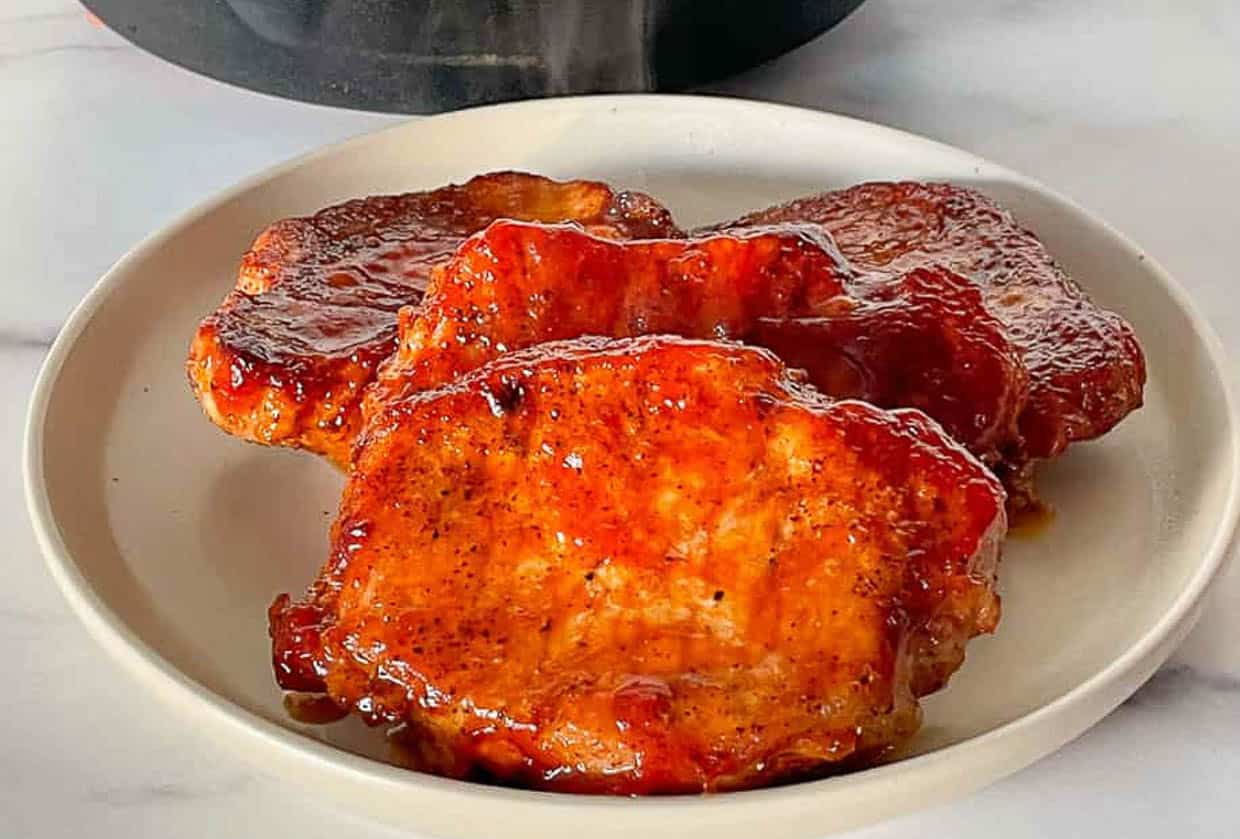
1132	109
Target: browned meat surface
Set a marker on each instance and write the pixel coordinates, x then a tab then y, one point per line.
645	566
921	340
1086	370
285	357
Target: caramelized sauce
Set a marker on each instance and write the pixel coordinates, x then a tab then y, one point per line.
284	359
922	340
313	708
1086	371
652	565
1030	522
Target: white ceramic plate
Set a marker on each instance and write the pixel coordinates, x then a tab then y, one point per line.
170	538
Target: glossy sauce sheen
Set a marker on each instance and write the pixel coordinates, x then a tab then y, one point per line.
651	565
1085	368
284	359
921	340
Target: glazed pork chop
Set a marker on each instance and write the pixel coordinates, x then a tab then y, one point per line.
650	565
1086	369
921	340
285	357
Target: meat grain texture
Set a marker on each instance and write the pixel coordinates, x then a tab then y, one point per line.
285	358
646	566
1085	369
921	340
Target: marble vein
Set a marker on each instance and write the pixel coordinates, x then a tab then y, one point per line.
1175	681
27	338
13	57
168	793
41	17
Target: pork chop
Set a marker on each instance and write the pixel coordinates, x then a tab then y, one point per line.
286	356
922	340
1086	369
650	565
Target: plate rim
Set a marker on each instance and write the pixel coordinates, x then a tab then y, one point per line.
287	747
